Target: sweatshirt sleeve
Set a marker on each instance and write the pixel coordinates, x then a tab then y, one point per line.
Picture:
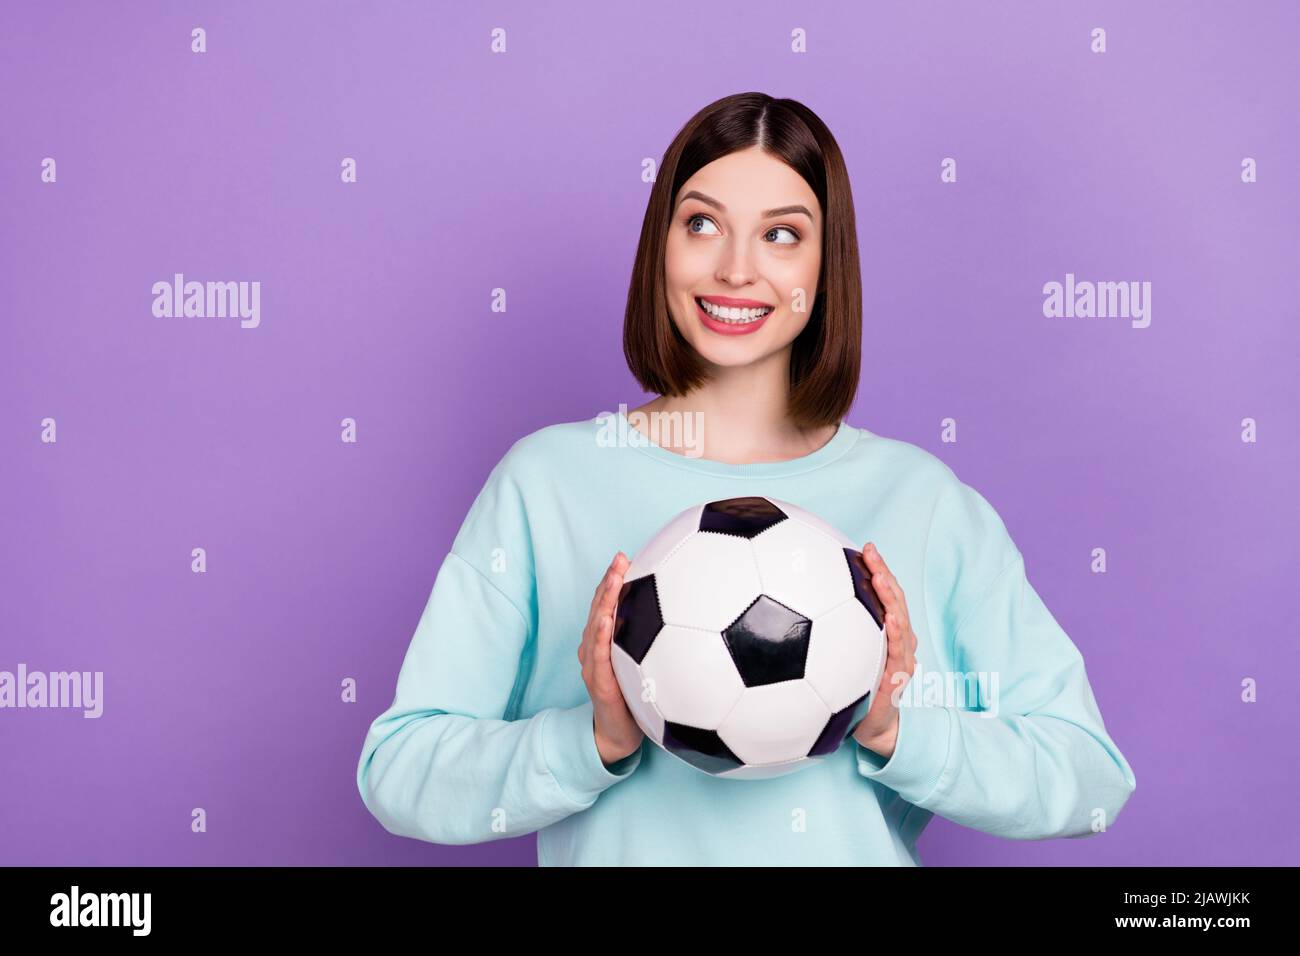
451	761
1030	759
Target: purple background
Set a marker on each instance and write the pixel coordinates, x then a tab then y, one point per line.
523	171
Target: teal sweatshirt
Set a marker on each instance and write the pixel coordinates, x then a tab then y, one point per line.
490	734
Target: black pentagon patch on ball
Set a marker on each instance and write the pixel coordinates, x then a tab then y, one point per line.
769	642
862	586
700	748
840	726
637	618
742	517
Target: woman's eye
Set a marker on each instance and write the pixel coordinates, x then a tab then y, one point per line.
700	218
703	220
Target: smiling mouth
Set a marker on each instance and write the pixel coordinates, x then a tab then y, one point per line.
731	316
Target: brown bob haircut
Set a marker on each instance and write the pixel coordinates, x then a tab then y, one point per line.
826	356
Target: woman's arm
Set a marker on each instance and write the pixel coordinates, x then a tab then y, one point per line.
448	762
1035	760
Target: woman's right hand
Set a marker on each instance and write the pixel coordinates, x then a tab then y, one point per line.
617	732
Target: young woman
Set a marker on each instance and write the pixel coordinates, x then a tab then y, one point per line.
744	317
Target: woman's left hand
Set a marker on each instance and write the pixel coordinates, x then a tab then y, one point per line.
878	731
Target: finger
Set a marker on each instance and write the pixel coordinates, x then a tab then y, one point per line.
876	562
893	635
594	610
602	666
891	654
598	604
904	644
897	586
593	615
603	634
897	664
600	588
900	602
872	555
586	633
880	584
876	565
887	584
897	644
601	598
615	588
902	595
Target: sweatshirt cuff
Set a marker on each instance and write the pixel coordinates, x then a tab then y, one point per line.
569	751
920	753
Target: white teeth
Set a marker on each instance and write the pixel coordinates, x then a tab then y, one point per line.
734	316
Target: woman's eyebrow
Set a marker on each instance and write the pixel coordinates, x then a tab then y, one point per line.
766	214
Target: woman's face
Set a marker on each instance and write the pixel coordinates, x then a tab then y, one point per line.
746	237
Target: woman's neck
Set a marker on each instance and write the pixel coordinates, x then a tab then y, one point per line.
735	424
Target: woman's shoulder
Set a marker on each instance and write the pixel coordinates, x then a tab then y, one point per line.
962	520
902	458
919	480
539	452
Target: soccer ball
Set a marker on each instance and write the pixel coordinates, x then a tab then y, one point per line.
748	638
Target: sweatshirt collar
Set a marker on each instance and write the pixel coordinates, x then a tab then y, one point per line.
625	433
